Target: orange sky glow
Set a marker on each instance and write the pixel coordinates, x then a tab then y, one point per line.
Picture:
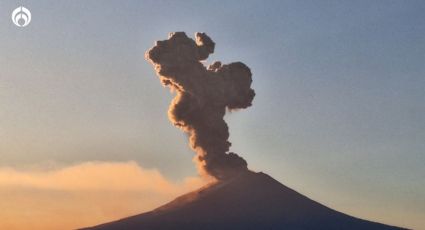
82	195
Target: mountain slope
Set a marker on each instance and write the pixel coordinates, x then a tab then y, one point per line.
248	201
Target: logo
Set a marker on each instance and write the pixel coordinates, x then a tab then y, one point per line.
21	16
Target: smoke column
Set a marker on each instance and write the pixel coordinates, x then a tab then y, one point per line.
202	96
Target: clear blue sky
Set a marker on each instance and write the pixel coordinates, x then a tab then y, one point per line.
339	113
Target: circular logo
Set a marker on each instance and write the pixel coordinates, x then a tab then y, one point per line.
21	16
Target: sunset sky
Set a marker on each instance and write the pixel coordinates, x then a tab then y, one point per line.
339	113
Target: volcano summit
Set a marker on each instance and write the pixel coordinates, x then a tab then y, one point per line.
248	201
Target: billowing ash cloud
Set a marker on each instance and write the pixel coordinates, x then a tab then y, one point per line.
203	94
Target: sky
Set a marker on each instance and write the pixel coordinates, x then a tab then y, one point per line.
339	113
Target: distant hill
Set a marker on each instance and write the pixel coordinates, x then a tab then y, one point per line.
247	201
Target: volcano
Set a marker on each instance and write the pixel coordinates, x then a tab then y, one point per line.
247	201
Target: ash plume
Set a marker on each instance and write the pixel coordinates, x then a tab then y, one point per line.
202	96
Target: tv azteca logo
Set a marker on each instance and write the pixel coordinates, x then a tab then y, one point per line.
21	16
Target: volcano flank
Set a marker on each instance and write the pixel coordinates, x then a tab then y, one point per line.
247	201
